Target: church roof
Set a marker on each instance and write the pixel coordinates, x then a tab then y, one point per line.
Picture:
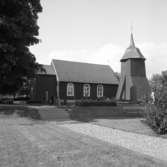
132	52
48	70
69	71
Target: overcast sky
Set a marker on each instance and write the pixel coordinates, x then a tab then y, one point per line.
98	31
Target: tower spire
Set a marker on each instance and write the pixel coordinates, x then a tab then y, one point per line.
132	43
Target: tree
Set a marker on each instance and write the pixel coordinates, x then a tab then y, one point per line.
156	82
156	113
118	75
161	94
18	31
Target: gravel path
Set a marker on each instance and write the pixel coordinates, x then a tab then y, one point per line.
152	146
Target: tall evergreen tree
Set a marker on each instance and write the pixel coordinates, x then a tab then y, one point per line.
18	31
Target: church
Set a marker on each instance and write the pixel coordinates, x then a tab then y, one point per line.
133	84
67	81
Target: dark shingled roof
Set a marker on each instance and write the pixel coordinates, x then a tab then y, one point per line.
48	70
84	72
132	52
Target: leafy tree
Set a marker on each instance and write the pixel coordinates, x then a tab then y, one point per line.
161	94
18	31
156	113
156	82
118	75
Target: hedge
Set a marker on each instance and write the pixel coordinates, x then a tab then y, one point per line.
91	102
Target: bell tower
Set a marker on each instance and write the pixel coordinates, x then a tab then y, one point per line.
133	84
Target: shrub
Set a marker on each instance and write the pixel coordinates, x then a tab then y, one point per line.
156	113
99	102
156	118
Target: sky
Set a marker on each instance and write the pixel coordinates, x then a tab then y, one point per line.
98	31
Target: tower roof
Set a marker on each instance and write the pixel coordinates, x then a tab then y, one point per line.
132	52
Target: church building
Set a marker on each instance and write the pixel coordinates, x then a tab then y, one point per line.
67	81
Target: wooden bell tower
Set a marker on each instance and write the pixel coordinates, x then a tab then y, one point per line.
133	84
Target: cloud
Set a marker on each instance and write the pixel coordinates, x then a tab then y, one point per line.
156	57
71	55
108	54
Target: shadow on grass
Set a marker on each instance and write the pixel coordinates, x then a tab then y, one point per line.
21	110
86	118
79	114
86	114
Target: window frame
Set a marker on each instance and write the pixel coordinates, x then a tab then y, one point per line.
86	90
100	91
70	90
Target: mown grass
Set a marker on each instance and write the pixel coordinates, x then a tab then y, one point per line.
30	143
134	125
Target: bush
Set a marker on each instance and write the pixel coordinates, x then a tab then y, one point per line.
156	118
156	111
99	102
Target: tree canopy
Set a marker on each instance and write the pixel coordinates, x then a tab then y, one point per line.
18	31
161	93
156	82
156	113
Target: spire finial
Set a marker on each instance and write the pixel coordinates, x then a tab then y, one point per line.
132	43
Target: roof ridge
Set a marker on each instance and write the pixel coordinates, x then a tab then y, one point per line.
81	62
45	64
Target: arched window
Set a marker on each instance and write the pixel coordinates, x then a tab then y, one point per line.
99	90
70	89
86	90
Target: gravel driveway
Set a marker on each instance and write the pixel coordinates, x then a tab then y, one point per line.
152	146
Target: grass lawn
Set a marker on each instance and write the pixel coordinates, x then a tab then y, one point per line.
135	125
28	143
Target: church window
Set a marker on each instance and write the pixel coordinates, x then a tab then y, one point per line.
99	90
70	89
86	90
